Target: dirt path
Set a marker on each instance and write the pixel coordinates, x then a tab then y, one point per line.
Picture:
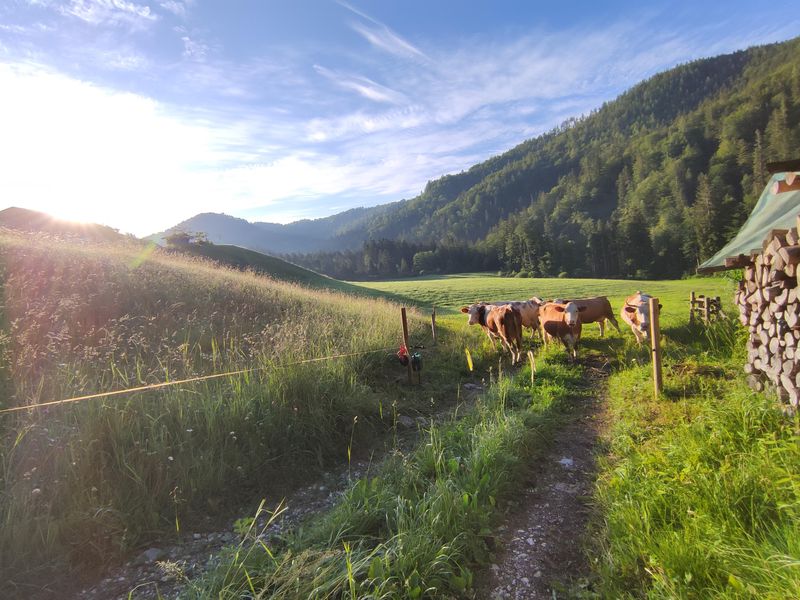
540	543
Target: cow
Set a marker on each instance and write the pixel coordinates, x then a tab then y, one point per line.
528	310
636	313
562	322
596	310
504	322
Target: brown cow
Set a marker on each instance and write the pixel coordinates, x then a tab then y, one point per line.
504	322
596	310
636	313
528	310
562	322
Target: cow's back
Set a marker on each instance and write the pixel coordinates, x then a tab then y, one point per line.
593	309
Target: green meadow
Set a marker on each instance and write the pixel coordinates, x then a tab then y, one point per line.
450	292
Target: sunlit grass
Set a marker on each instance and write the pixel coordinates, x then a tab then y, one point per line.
700	493
81	483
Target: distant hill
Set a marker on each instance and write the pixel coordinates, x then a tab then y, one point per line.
648	185
327	234
23	219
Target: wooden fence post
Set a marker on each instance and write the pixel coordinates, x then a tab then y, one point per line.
405	342
532	360
706	309
655	346
691	308
433	324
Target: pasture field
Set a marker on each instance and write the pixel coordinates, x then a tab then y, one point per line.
453	291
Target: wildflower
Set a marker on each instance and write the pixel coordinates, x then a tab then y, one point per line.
169	458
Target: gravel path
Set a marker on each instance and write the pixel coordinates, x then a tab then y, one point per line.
540	544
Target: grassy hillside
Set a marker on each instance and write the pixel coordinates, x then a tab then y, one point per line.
23	219
277	268
84	482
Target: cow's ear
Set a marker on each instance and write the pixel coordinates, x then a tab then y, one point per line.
464	309
582	308
630	309
558	308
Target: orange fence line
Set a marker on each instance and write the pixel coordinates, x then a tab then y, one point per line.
154	386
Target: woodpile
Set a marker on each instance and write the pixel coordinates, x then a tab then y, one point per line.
768	306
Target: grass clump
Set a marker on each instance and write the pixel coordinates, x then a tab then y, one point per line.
700	494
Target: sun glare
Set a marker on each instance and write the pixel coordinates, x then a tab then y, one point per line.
82	153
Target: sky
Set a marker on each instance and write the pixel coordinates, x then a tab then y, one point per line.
139	114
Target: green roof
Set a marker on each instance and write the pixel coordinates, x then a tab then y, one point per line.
777	208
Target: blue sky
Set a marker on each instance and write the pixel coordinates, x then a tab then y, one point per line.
141	113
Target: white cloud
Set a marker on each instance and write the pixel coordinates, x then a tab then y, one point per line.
363	86
176	8
380	36
387	40
193	48
96	12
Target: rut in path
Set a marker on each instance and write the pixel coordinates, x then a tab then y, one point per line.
540	544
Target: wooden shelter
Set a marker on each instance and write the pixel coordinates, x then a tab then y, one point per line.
767	296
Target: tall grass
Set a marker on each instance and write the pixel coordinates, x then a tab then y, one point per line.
418	527
700	495
83	482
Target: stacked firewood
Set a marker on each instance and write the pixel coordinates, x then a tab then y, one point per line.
768	305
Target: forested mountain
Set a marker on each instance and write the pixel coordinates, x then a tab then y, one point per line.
647	185
337	232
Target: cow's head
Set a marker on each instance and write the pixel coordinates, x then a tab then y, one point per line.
571	312
475	312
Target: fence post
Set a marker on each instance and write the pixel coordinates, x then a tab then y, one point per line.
405	342
691	308
433	324
655	346
532	360
707	310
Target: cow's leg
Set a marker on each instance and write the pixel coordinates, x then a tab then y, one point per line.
507	346
602	324
491	340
